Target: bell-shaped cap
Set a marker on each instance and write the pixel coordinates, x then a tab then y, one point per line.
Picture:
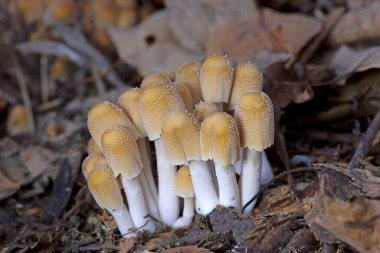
185	94
180	134
216	79
255	119
154	79
121	151
129	102
220	139
203	110
189	74
155	103
92	147
247	77
104	188
183	184
92	162
105	115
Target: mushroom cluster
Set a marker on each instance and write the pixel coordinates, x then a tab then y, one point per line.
213	123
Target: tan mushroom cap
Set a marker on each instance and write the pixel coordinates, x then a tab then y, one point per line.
154	79
105	115
247	77
129	102
255	119
155	103
104	188
203	110
92	147
220	139
121	151
189	74
185	94
92	162
216	79
183	184
180	134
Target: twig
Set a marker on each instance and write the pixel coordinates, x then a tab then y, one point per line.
366	143
45	92
313	167
24	92
328	248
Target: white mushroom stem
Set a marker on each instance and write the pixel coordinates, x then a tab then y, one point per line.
124	221
250	177
203	187
267	173
238	164
187	215
211	165
228	187
136	204
149	200
168	201
143	145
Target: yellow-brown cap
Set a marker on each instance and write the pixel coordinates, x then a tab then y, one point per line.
220	139
216	79
247	77
183	184
203	110
180	134
92	147
121	151
129	102
154	79
92	162
18	121
189	74
155	103
105	115
104	188
185	94
255	119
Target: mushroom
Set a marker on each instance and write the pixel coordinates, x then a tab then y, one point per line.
105	115
155	103
154	79
93	161
184	189
203	109
103	187
255	119
122	154
180	135
216	79
185	94
129	102
189	74
220	142
92	147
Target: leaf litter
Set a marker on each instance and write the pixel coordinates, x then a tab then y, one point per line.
321	76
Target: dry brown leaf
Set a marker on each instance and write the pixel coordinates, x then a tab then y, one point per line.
36	160
192	21
266	30
151	47
7	186
187	249
358	25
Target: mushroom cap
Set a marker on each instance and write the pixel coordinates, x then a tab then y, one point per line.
216	79
183	184
203	110
121	151
104	188
220	139
189	74
92	147
105	115
255	119
129	102
18	121
154	79
185	94
155	103
91	162
180	135
247	77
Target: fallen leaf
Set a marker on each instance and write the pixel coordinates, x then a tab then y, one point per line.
187	249
151	47
193	21
36	160
263	30
7	186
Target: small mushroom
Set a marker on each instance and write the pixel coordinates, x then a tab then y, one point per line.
189	74
154	79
